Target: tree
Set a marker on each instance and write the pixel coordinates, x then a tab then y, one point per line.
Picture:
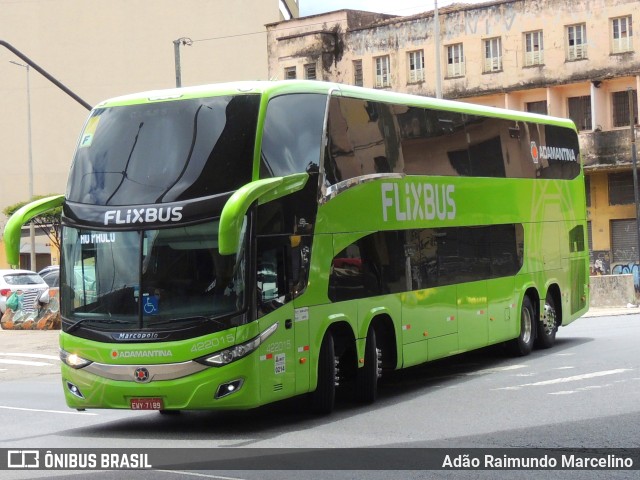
48	222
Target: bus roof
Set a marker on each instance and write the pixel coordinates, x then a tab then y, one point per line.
279	87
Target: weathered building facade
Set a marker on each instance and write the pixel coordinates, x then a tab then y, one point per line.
575	59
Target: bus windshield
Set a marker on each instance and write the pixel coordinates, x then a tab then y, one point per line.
163	152
164	279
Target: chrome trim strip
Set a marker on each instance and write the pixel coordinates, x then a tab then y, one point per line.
126	373
340	187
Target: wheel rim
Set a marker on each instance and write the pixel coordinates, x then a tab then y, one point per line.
549	319
526	325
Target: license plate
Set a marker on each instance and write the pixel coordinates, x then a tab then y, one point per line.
148	403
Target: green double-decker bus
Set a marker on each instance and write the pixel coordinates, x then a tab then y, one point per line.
232	245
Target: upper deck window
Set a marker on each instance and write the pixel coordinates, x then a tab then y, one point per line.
292	138
165	151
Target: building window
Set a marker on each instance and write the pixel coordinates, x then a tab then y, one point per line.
576	42
620	104
580	111
357	73
621	188
455	60
533	49
492	55
622	35
310	71
290	73
537	107
383	77
416	66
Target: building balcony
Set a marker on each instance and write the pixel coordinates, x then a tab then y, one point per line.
606	150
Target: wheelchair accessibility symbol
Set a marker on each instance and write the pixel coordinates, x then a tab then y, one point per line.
150	305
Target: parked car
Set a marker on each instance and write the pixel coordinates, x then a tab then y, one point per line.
30	283
86	277
51	275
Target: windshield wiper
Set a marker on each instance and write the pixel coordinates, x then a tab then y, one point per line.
75	325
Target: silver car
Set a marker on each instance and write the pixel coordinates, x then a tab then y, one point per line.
31	284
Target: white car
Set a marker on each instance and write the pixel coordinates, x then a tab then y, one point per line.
33	287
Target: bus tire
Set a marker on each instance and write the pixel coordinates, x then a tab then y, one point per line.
367	376
324	397
523	345
547	326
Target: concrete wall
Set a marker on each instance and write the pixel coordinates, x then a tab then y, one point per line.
612	291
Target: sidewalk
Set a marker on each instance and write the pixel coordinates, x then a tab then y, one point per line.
608	311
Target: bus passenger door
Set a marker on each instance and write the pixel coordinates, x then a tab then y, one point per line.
278	353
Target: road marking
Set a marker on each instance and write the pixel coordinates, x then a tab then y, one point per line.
563	368
495	370
201	475
24	362
574	378
31	355
45	411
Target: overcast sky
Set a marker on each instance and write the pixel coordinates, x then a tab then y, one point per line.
396	7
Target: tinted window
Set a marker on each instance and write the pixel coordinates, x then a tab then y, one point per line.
373	137
292	137
374	265
576	239
364	139
394	262
165	151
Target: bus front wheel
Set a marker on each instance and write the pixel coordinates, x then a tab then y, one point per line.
367	376
324	397
523	345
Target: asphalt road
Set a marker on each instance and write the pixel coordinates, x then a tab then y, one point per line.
583	393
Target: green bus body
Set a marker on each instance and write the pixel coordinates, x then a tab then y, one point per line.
420	229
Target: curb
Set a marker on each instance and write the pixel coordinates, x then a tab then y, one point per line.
611	311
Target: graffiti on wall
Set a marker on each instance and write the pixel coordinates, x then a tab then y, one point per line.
629	268
600	262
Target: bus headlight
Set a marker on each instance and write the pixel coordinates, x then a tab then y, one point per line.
73	360
228	355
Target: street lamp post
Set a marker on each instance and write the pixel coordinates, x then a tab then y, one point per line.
32	232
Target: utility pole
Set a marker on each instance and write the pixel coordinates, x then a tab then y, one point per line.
176	54
436	38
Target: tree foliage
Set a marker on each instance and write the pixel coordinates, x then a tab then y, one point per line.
47	222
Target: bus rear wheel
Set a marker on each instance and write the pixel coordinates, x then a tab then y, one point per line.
324	397
547	326
367	376
523	345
